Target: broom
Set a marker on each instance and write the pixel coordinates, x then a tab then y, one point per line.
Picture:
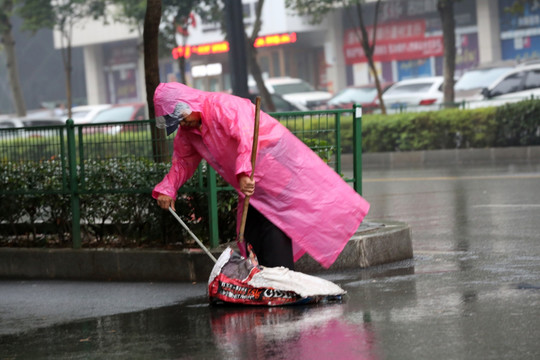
241	241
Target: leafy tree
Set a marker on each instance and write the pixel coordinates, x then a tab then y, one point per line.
61	15
317	9
6	38
160	20
176	17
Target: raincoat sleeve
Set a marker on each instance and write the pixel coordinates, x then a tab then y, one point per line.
184	163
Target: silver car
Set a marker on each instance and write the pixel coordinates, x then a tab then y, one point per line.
411	95
522	83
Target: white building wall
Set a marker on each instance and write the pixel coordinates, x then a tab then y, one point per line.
276	19
333	51
489	34
91	32
93	70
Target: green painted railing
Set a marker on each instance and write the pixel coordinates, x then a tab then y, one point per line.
78	150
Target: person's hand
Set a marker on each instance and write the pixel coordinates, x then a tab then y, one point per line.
165	201
247	186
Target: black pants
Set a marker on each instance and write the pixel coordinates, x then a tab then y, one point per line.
271	245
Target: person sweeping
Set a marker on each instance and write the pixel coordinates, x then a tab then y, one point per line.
298	204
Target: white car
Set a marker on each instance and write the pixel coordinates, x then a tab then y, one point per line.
522	83
84	114
294	90
469	86
23	127
420	94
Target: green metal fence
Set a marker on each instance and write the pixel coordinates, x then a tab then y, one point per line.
83	160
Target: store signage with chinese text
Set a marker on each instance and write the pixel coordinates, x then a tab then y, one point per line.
396	41
223	46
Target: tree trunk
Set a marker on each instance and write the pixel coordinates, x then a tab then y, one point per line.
9	48
256	72
446	12
182	69
182	62
66	36
151	70
253	65
67	69
369	49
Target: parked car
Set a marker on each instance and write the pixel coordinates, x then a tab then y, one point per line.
523	82
84	114
470	84
296	91
22	126
365	95
280	103
420	94
117	113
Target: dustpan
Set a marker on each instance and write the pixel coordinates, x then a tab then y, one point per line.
236	279
240	280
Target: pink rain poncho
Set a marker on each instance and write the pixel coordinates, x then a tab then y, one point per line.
295	189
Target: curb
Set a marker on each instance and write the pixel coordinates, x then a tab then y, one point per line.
447	157
373	244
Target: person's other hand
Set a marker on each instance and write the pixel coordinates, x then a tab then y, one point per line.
165	201
247	186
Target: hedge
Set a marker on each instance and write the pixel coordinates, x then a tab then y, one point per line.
108	219
516	124
120	219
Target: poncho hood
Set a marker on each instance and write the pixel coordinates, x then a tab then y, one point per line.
167	95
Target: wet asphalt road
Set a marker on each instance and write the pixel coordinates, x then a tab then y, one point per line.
472	290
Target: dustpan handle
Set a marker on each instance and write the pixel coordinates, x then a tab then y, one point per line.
192	235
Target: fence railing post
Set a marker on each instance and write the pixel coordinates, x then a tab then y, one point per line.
357	148
212	208
338	143
73	186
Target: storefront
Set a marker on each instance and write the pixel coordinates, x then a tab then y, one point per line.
520	33
286	54
121	72
409	41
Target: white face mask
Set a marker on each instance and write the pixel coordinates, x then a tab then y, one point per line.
171	121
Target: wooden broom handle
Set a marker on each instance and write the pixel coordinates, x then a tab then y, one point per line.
253	159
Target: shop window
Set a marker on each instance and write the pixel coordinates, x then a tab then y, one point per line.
214	84
276	68
264	63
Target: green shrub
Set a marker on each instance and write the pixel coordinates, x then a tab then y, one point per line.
518	124
115	204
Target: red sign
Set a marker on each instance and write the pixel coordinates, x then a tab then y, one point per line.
397	41
223	46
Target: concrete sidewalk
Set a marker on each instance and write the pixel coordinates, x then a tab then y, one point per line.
374	243
446	157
